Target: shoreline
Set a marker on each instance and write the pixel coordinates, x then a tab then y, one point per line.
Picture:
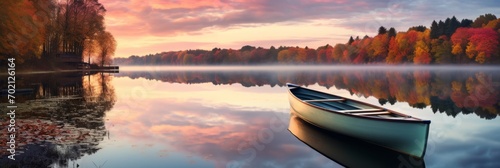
60	71
374	67
268	67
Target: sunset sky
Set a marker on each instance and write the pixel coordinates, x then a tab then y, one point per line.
148	27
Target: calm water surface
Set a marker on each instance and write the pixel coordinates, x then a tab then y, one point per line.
240	117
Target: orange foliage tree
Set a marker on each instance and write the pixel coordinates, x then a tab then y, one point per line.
379	48
21	28
422	48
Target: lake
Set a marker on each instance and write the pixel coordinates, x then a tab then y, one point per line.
240	116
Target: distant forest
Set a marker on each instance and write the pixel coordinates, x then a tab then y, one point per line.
446	42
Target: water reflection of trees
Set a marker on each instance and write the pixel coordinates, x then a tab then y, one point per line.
62	118
448	92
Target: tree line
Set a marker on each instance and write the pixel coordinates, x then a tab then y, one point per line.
35	31
445	42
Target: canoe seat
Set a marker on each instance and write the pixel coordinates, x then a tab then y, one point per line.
373	113
398	117
324	100
360	110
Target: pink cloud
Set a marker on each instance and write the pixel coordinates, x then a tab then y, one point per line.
160	17
172	17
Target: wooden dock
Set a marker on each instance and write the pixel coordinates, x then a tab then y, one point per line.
110	67
106	68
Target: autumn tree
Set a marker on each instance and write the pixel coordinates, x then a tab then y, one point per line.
91	48
349	54
325	54
284	56
301	55
479	44
360	57
247	48
187	59
412	36
54	34
494	24
422	48
22	28
245	56
393	52
208	57
482	20
338	52
47	28
258	55
402	48
422	53
311	55
272	55
106	48
221	55
234	56
485	43
460	39
361	48
441	50
83	19
379	48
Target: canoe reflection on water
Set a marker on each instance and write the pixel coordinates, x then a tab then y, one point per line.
348	151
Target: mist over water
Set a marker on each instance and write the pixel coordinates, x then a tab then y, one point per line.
215	116
384	67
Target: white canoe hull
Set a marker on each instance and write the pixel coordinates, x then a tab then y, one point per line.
404	136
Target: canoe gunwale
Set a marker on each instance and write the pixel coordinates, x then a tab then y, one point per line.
324	100
413	119
373	113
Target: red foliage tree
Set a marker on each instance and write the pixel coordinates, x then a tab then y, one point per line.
485	41
479	44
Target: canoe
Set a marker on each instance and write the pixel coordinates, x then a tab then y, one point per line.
371	123
348	151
